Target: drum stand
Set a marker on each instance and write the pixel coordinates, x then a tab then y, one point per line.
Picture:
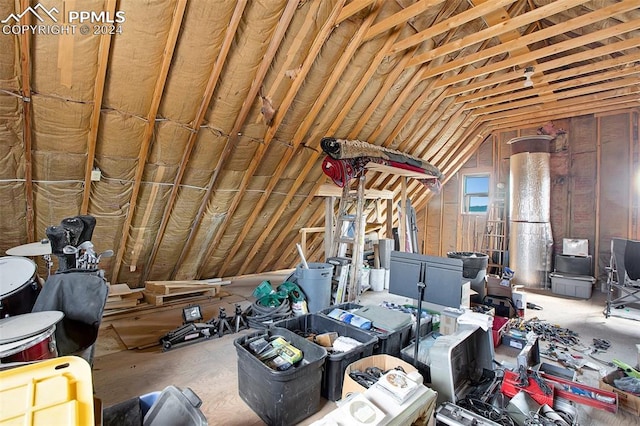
49	263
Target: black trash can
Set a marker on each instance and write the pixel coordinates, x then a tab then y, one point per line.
474	268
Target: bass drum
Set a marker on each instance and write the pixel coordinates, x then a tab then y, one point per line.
19	285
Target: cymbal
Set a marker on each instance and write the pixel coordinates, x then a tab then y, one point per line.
39	248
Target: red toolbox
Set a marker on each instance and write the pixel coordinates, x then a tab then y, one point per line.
510	387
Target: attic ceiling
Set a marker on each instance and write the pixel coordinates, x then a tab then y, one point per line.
205	117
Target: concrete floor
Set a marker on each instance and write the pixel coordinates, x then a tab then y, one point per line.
210	368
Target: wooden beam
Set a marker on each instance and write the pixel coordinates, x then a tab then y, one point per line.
25	70
497	29
195	127
359	89
542	66
448	24
98	92
400	18
578	22
352	8
543	52
386	87
487	95
572	102
543	99
588	107
167	55
315	49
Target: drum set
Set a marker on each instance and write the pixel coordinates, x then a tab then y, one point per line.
27	336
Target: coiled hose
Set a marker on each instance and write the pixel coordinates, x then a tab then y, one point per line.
261	317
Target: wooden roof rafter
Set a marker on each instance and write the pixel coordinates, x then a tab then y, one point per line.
448	24
578	22
401	17
544	52
511	24
25	73
559	89
589	104
195	127
298	137
540	67
614	63
609	89
167	56
98	93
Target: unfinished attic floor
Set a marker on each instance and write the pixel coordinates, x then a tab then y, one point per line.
210	367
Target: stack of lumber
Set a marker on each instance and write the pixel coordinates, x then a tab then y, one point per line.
157	293
121	296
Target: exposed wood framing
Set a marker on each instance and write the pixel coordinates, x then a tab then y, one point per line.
25	69
537	36
197	122
98	92
400	18
447	25
497	29
546	99
567	107
353	8
540	68
147	138
540	53
289	97
495	95
276	40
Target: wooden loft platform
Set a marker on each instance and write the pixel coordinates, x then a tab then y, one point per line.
398	171
331	190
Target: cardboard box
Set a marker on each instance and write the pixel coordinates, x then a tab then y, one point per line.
575	247
627	401
383	362
496	286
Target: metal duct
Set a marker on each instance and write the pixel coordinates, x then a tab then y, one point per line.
530	249
530	179
531	240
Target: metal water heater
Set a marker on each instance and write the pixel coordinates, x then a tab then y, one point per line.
531	240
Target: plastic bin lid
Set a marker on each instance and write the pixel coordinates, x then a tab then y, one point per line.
56	391
175	407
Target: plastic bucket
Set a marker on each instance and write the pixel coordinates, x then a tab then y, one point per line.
315	282
376	279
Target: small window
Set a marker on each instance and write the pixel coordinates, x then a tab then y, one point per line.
476	194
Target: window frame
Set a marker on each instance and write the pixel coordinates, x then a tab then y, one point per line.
466	197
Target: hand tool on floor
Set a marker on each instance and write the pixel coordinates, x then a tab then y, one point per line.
628	370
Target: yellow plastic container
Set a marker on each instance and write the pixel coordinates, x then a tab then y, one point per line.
56	391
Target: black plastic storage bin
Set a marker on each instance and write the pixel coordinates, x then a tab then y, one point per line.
335	363
389	342
281	397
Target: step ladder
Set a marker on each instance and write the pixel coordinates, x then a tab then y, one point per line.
349	277
494	239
